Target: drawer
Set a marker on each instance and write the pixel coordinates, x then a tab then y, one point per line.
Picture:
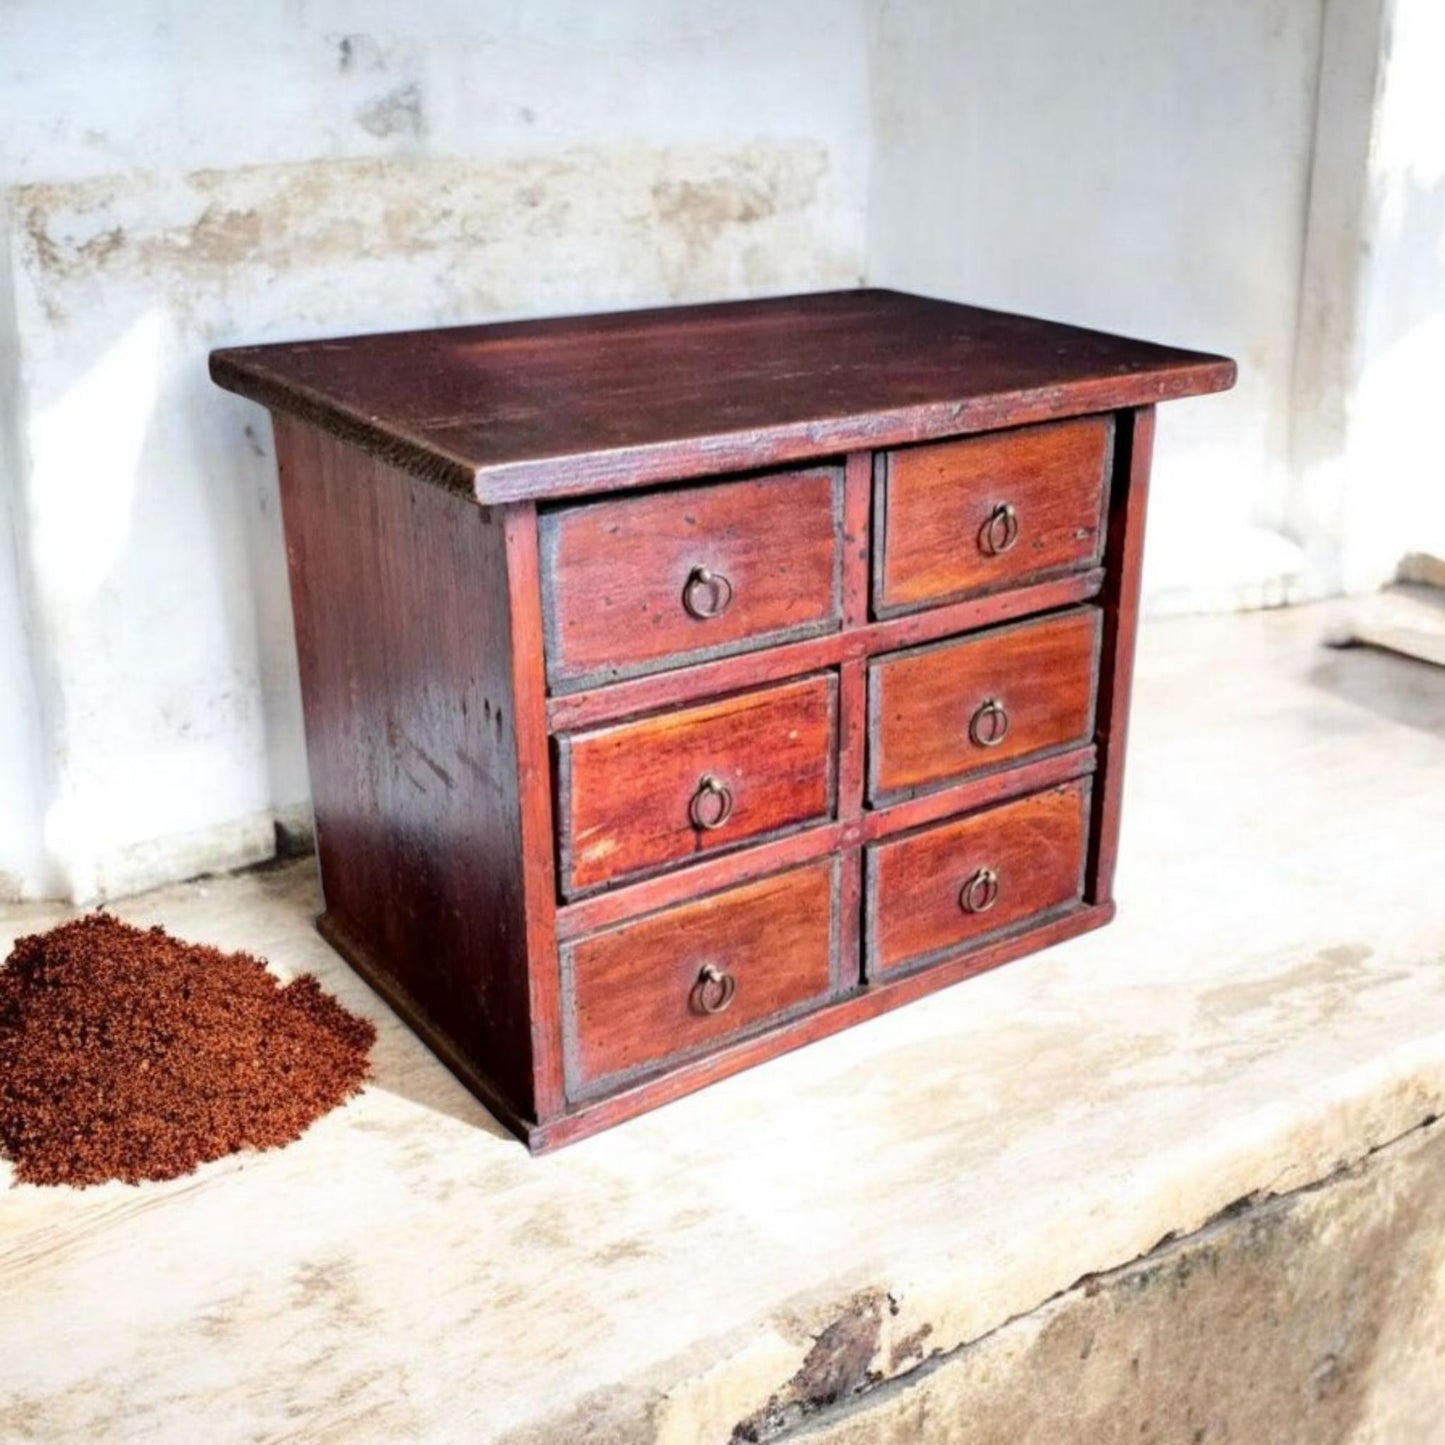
636	584
938	712
989	511
637	796
691	977
932	892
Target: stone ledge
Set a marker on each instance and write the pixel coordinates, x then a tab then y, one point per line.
1269	1006
1296	1319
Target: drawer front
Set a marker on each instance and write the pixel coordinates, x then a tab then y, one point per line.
932	892
662	790
990	511
636	584
691	977
939	712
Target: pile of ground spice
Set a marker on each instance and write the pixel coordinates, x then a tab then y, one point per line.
128	1054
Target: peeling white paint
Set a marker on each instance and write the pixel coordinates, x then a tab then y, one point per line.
169	183
174	185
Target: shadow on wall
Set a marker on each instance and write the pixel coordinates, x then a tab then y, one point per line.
156	549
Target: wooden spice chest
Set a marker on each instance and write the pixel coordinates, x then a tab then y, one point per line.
684	685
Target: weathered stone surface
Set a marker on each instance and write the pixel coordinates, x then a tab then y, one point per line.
1316	1318
1270	1005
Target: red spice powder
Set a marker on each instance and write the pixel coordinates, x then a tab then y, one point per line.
128	1054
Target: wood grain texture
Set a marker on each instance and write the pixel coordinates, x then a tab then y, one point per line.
936	503
407	658
857	543
706	679
1125	559
636	993
627	793
534	778
922	702
1026	858
709	875
577	405
616	574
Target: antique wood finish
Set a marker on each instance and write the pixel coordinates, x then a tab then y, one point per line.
640	795
678	982
419	797
579	405
932	892
938	712
990	511
646	694
1121	624
529	687
690	573
655	677
601	910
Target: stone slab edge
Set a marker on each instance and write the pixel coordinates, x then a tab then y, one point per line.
857	1334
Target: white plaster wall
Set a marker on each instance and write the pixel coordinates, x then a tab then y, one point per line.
178	177
1248	176
1370	470
21	734
1135	166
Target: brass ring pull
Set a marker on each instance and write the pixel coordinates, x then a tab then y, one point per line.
706	594
1001	530
989	725
980	893
715	989
712	804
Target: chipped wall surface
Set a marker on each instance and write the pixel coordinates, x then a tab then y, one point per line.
171	184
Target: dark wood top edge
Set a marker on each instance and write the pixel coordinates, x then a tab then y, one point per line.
246	371
427	460
572	475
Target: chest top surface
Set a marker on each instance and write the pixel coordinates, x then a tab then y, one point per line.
576	405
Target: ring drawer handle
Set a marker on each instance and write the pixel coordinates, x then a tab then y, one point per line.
715	988
980	893
1001	530
706	594
712	804
989	725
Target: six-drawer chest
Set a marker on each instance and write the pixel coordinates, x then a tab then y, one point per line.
684	685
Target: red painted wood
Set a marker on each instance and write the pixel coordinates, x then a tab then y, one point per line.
622	580
1125	559
850	919
641	795
602	910
941	535
853	737
577	405
978	792
646	694
933	892
857	504
529	688
638	995
1038	676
